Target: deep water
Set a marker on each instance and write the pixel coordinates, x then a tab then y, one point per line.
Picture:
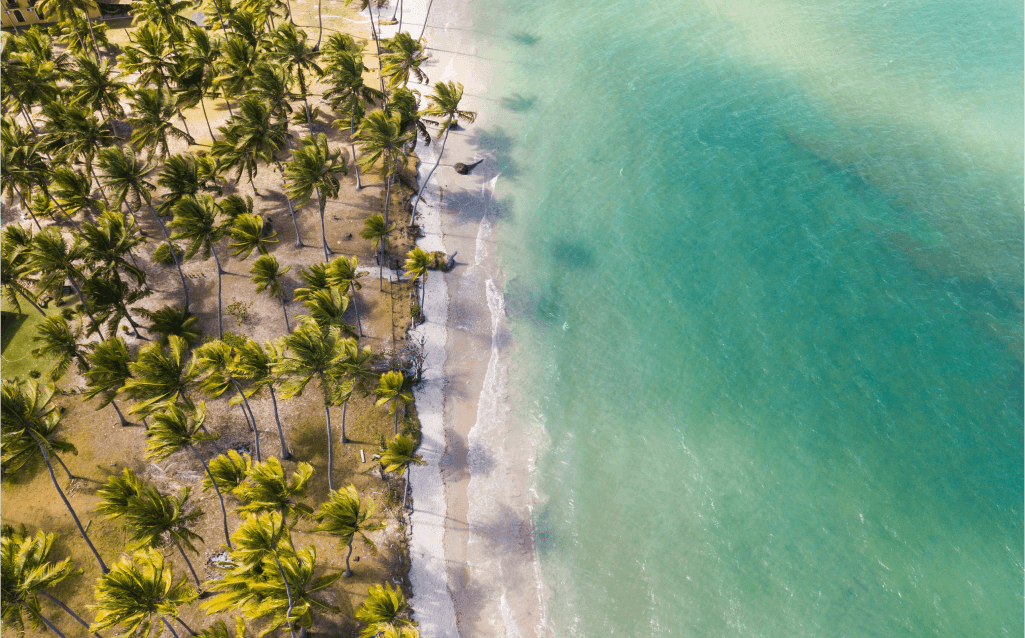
763	267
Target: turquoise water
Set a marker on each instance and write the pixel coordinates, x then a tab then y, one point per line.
763	265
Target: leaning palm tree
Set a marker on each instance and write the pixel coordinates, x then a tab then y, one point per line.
158	379
290	601
150	55
94	85
404	59
151	516
66	11
391	390
342	272
29	425
126	177
152	113
327	307
174	321
382	139
174	430
167	15
418	261
248	233
399	456
406	102
354	374
314	167
27	574
213	363
60	341
196	220
16	269
345	516
444	105
110	296
139	593
256	364
377	230
269	490
184	175
57	262
268	275
382	612
289	46
83	136
107	373
349	94
72	190
197	71
313	354
230	471
106	243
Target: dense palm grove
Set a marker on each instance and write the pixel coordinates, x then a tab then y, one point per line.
84	168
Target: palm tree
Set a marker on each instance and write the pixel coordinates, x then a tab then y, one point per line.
405	58
60	342
314	166
27	573
56	262
406	102
15	267
158	379
195	219
72	190
231	471
401	453
166	15
174	321
269	490
289	46
354	374
185	175
173	430
126	177
391	390
418	261
382	139
239	56
349	94
314	354
382	610
94	86
213	363
66	10
139	592
151	122
28	423
197	71
377	230
150	55
256	364
248	233
83	135
444	104
110	296
107	373
152	515
271	83
363	4
327	307
30	81
106	243
341	272
267	275
344	516
17	145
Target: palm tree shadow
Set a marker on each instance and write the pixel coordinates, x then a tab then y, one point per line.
518	103
496	145
522	37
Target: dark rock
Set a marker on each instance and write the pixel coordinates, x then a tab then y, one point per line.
464	169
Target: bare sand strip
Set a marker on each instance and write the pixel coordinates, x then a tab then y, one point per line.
474	569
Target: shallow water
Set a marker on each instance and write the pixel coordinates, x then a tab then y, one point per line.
763	266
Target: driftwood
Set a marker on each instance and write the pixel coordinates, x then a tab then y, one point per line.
464	169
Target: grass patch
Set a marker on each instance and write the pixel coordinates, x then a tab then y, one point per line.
16	332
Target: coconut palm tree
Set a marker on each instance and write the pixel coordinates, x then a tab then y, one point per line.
382	139
268	275
269	490
289	47
175	429
313	354
406	102
29	423
248	233
174	321
256	364
418	261
196	220
239	56
83	135
126	177
354	374
327	307
140	592
158	379
185	175
16	269
106	243
349	94
153	110
110	296
107	373
272	84
95	86
56	261
445	105
404	59
66	11
377	230
72	190
314	167
401	453
363	4
153	515
391	390
341	272
230	471
382	612
60	341
345	516
150	55
214	363
16	145
27	574
167	15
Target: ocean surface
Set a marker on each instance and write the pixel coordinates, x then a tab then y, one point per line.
763	266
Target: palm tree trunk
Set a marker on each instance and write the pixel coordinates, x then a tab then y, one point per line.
427	13
29	210
174	253
256	431
323	233
288	592
284	312
169	627
53	199
199	586
220	331
316	47
285	454
348	571
202	103
402	12
419	195
302	88
396	418
406	490
345	406
352	132
224	512
77	618
380	267
67	503
288	200
92	34
355	306
124	421
330	439
28	118
50	626
387	197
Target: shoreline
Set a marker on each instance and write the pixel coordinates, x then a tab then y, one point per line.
473	567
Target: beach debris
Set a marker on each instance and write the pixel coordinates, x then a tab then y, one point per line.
362	458
464	169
